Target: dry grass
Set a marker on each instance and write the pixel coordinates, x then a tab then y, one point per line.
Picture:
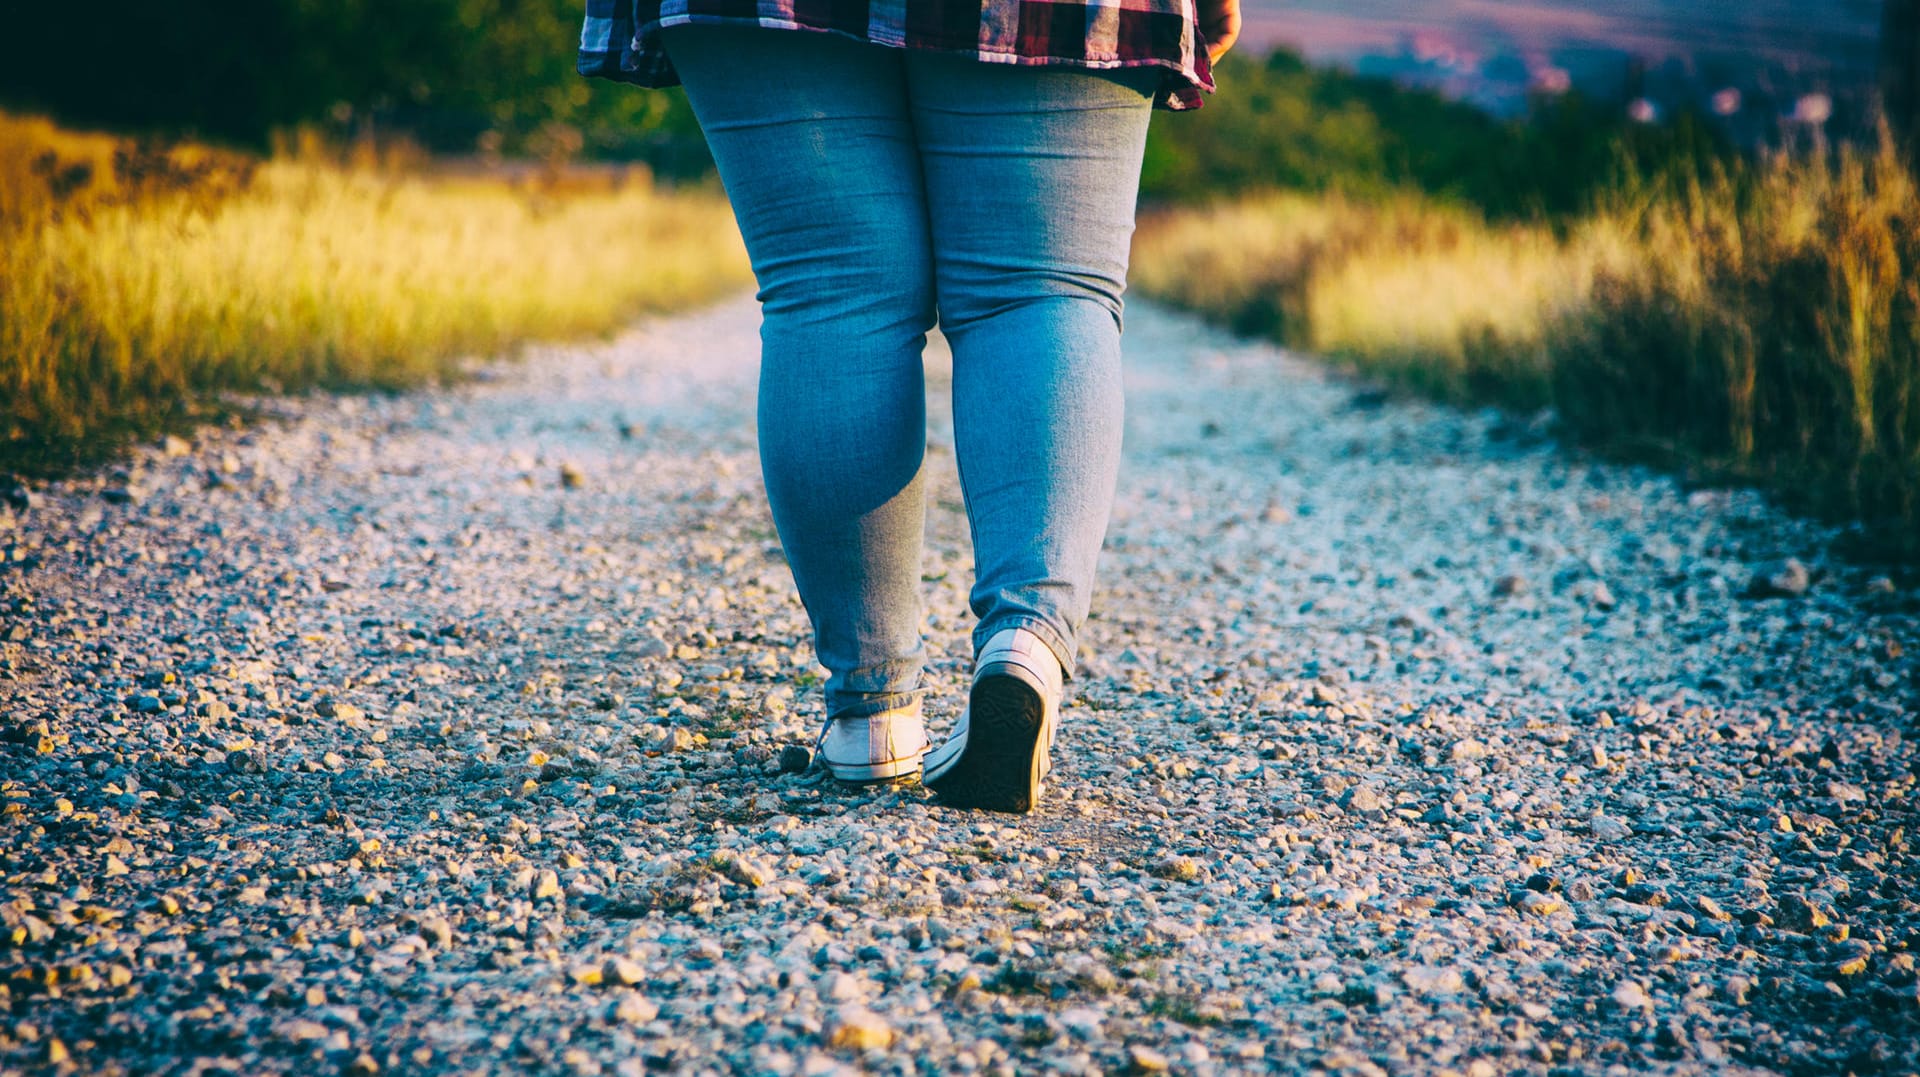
137	283
1762	326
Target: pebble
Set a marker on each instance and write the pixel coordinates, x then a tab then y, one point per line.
1628	995
859	1029
1144	1059
1796	913
635	1009
1429	981
1787	578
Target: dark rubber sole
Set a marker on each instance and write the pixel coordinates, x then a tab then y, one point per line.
1000	768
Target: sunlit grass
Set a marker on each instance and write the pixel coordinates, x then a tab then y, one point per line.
135	283
1761	325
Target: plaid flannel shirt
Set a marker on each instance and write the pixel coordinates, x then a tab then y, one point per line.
621	38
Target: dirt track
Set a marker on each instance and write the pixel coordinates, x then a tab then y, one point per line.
402	734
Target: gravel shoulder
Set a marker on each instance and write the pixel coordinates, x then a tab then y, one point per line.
445	733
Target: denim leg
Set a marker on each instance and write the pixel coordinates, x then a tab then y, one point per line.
816	149
1031	177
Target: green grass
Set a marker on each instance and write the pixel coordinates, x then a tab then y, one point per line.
140	283
1760	323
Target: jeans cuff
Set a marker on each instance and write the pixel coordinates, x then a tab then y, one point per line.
1049	635
868	704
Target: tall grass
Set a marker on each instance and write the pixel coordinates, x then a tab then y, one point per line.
137	282
1760	323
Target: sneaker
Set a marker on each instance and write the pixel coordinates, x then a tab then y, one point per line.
873	747
1001	749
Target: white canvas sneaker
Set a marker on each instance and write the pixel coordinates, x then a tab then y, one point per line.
873	748
1000	750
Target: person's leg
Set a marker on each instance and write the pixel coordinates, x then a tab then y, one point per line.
816	149
1031	177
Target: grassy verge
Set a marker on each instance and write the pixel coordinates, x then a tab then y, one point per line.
137	283
1761	325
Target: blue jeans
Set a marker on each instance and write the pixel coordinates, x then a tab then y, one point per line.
877	189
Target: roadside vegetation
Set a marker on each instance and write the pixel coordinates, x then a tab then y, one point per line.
141	282
1740	319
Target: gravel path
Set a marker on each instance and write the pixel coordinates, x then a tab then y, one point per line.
451	733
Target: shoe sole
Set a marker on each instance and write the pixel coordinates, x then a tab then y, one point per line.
999	769
865	773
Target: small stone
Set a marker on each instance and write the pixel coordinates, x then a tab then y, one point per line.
1711	909
744	870
624	971
301	1030
166	905
547	885
672	739
1510	586
795	759
858	1029
245	761
1607	828
1796	913
571	477
843	987
1366	799
1780	579
175	445
1467	751
1144	1059
587	975
1881	586
1601	597
1177	868
1846	793
1536	903
1630	997
363	1065
436	930
115	866
1852	958
1429	981
635	1009
333	708
1084	1022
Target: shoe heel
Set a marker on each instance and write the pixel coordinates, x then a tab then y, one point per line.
1001	766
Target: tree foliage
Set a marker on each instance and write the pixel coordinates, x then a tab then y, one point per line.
455	74
1283	124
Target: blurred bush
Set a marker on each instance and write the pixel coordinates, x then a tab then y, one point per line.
1283	124
139	282
1751	322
